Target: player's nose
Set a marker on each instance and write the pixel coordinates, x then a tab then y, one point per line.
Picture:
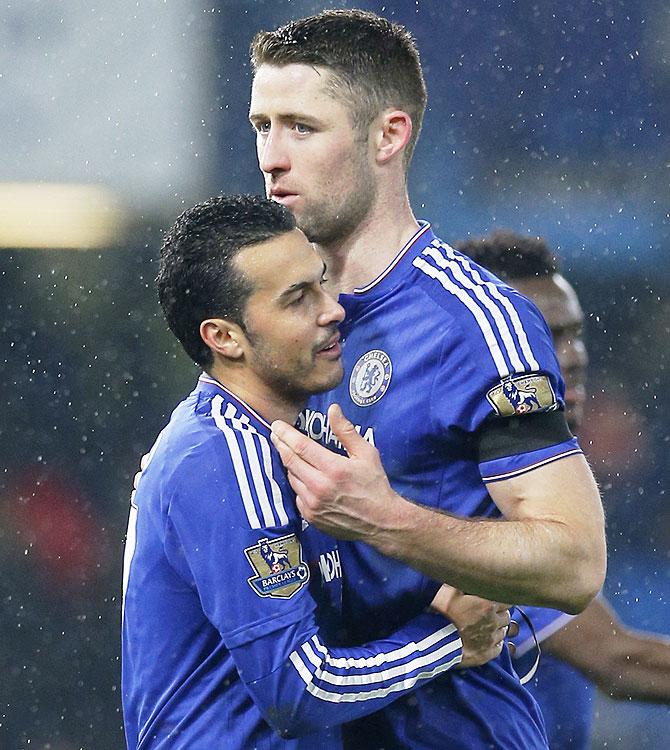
332	312
273	153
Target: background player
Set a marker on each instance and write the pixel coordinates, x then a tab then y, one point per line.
220	642
437	356
594	647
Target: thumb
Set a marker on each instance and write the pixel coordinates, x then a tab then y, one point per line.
344	430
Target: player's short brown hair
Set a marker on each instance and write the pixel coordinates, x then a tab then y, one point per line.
374	62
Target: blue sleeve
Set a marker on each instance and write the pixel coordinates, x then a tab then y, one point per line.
508	467
224	537
498	357
498	362
314	686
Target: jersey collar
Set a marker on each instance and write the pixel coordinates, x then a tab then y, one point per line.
419	240
208	384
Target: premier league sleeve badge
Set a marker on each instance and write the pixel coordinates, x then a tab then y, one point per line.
280	571
522	395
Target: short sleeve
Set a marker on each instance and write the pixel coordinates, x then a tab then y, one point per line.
498	361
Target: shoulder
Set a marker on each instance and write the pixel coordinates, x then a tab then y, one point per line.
487	316
213	451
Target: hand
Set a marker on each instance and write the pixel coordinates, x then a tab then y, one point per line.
348	497
483	625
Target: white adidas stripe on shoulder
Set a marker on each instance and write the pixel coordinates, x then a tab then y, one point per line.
504	301
240	436
460	278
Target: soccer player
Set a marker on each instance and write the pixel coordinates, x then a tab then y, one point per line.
221	648
450	377
594	648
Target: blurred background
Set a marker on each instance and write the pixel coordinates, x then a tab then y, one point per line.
117	116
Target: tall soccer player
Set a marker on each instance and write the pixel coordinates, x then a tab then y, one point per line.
230	600
450	377
594	648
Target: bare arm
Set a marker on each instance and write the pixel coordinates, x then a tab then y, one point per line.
549	550
624	663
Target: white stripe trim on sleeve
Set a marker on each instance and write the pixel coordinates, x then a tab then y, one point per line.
381	675
424	658
277	497
243	424
344	697
235	425
254	465
389	656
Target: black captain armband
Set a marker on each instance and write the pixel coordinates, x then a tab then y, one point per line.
508	436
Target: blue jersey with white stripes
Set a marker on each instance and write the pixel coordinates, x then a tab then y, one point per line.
452	376
231	607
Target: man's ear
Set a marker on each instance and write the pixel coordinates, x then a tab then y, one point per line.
223	337
392	134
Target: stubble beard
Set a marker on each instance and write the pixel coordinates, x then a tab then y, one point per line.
289	383
328	223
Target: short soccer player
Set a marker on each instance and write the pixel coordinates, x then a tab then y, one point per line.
231	602
450	377
594	648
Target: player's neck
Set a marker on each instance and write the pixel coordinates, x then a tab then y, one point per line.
358	259
266	402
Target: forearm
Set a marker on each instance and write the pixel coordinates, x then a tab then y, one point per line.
548	550
319	686
641	671
529	561
623	663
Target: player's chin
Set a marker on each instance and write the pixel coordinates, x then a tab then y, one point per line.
330	377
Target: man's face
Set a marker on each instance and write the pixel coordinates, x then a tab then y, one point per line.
558	302
313	160
292	342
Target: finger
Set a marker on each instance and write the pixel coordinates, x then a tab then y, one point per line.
292	459
502	619
512	649
306	449
303	478
513	629
303	495
344	431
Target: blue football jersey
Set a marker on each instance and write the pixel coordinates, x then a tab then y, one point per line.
566	698
231	605
443	364
564	694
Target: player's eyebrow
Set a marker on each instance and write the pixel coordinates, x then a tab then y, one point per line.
300	285
286	117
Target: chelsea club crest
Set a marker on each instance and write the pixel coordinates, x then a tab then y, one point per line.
370	377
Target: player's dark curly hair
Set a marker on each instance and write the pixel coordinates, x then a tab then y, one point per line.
374	62
510	255
197	278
